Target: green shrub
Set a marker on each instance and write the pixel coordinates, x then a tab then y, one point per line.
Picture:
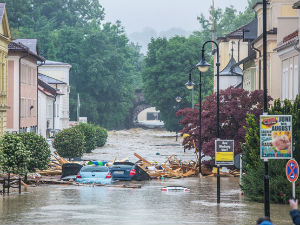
15	156
39	151
69	143
89	132
101	136
253	166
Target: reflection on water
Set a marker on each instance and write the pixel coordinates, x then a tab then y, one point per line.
55	205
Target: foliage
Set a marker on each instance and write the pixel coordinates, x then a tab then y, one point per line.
222	26
15	156
39	151
167	66
252	180
235	103
69	143
89	132
101	136
100	54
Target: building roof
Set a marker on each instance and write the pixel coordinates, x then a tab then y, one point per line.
289	40
50	63
30	43
296	5
16	45
239	32
250	31
231	69
49	80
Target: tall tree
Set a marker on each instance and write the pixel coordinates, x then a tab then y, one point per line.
235	104
167	66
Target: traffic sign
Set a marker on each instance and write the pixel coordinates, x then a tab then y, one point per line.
224	152
292	170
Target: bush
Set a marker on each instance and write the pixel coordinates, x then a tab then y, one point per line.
69	143
89	132
14	155
101	136
39	151
253	166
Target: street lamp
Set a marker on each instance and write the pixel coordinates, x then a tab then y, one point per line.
190	85
203	66
178	100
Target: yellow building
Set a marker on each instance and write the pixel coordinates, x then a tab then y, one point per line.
4	40
282	20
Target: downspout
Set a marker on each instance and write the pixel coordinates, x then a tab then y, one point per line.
20	88
259	64
37	96
53	122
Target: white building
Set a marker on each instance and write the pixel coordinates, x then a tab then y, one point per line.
58	119
59	71
47	97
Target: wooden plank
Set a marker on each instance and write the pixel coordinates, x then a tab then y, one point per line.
141	158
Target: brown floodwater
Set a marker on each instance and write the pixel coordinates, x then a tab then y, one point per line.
55	205
89	205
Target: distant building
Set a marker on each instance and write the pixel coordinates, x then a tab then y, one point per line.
237	58
22	115
57	121
4	40
47	96
59	71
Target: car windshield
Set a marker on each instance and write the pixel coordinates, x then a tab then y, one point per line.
94	169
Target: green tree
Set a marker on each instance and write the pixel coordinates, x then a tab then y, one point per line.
89	132
252	180
39	151
101	136
15	156
167	66
69	143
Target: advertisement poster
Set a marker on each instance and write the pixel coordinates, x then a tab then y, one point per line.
276	137
224	152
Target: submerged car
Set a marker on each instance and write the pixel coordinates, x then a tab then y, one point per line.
128	171
94	175
70	171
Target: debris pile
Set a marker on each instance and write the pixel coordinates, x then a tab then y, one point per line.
171	168
55	166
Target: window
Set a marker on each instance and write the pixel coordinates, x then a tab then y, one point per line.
23	110
290	78
29	107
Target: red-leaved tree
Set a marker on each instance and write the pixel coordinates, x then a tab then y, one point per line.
235	103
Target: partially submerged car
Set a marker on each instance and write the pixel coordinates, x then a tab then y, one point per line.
70	171
94	175
128	171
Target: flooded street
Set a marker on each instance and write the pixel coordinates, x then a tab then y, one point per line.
89	205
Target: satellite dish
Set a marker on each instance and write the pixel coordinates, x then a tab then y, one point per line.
237	160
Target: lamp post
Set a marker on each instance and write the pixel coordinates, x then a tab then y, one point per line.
178	100
266	175
203	66
190	85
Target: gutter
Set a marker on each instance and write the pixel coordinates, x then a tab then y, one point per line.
259	64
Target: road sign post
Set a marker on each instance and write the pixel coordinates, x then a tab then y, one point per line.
224	156
292	173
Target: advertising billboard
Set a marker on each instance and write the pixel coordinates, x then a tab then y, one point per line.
276	136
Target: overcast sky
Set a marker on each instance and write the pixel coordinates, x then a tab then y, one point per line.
161	14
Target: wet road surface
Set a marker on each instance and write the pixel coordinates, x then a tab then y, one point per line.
88	205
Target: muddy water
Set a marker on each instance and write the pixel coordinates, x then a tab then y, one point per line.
88	205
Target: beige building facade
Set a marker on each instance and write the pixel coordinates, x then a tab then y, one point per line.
5	38
282	19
